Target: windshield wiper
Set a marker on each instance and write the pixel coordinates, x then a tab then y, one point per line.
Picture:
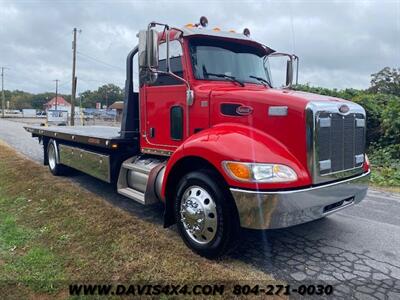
232	78
262	80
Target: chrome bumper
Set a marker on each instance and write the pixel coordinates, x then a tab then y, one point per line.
268	210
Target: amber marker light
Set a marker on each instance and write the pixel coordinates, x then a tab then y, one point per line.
239	170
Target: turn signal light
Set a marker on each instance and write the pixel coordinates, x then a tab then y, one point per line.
240	171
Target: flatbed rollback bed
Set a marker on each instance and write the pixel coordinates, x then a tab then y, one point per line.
106	137
95	150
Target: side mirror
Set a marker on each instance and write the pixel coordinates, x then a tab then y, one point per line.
289	73
148	49
152	49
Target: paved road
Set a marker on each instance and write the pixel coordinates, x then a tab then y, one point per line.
357	249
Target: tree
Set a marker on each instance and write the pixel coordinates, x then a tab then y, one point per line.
110	93
386	81
391	121
20	100
106	94
373	104
38	100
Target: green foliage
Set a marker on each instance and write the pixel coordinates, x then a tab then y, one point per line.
106	95
373	105
388	156
385	163
391	121
38	100
20	99
343	94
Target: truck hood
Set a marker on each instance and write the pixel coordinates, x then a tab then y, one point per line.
291	98
289	129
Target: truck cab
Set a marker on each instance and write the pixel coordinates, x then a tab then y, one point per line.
209	136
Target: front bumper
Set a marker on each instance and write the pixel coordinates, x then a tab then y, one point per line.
268	210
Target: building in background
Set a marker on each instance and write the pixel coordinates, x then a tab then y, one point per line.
119	107
62	104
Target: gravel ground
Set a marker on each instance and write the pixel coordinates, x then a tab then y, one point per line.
356	249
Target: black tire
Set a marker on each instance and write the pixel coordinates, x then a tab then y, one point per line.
227	226
52	154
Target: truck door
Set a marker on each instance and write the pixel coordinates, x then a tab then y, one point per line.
165	100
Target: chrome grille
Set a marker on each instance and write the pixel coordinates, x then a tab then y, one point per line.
340	142
336	142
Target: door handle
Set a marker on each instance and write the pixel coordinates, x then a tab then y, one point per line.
152	132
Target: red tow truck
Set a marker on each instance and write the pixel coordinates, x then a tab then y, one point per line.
209	136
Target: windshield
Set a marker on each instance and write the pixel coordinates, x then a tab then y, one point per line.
218	60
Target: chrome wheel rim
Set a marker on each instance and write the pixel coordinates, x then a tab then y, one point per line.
52	157
199	215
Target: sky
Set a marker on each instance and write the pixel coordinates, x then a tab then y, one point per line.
340	43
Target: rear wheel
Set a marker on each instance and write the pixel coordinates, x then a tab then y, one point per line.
52	154
205	214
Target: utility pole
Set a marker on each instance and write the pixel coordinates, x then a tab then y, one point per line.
3	99
56	92
106	99
74	79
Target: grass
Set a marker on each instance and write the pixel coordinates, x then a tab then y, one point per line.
386	177
385	166
53	232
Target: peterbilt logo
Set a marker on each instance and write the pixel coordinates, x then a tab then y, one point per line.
244	110
344	109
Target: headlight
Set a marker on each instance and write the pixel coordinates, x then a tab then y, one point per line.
258	172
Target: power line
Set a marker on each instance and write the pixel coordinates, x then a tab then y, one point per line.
64	84
99	61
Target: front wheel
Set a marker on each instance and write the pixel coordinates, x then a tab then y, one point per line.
206	216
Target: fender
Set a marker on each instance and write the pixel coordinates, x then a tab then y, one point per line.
236	142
